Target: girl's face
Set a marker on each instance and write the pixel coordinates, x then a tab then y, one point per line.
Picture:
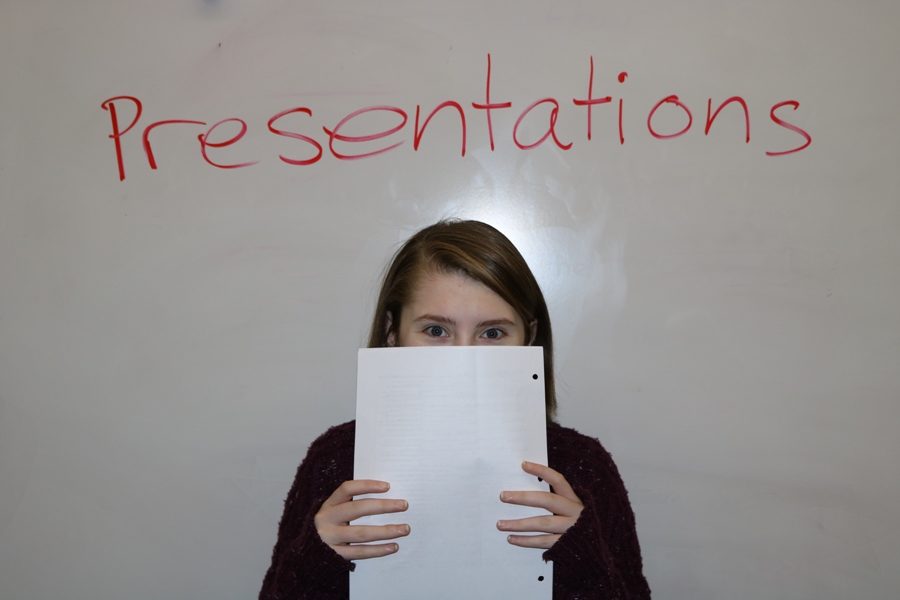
451	309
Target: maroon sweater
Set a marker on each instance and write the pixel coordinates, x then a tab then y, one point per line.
597	558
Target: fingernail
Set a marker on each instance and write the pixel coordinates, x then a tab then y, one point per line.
405	529
501	524
393	548
502	496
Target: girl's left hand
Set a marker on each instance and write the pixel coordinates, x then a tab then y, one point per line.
545	529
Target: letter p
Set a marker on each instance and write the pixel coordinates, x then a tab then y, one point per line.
117	132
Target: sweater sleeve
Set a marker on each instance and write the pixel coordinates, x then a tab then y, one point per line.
303	566
599	557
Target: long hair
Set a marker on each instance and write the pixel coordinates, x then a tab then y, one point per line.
479	251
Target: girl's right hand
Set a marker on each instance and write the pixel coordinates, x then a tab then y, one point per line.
333	520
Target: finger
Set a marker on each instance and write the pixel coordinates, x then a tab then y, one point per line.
543	524
374	533
355	487
532	541
556	479
363	551
354	509
352	534
554	503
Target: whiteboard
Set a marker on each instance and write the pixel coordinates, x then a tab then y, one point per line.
726	315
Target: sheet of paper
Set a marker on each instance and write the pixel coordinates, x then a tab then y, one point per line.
449	429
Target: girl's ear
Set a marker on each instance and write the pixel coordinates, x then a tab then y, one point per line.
391	338
532	326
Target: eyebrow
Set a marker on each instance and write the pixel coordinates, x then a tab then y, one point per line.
447	321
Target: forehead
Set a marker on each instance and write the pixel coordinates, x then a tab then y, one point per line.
436	291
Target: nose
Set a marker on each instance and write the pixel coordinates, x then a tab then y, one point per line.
465	339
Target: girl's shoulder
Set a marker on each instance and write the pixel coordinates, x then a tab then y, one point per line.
572	451
567	437
336	440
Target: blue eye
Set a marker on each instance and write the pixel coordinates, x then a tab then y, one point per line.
434	330
493	333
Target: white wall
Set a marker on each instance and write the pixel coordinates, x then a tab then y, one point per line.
727	321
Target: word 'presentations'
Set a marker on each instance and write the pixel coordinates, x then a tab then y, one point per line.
345	146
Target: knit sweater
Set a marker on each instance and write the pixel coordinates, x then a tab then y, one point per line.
598	558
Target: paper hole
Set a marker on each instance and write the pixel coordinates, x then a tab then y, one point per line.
534	376
540	577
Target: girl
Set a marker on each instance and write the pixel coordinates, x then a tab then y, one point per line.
461	283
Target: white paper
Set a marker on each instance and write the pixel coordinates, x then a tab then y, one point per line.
449	429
